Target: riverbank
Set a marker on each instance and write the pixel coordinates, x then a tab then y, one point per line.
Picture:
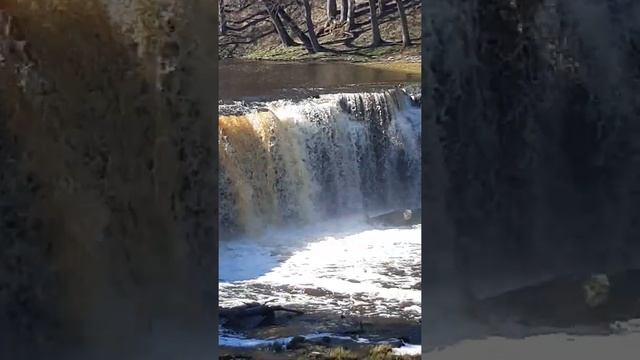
335	338
250	35
387	53
320	352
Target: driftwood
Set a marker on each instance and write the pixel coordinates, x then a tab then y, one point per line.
254	309
252	315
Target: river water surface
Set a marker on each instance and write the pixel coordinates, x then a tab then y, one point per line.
249	79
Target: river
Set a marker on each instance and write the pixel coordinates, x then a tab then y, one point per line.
299	175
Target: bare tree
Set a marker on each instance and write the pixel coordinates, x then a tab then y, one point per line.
272	10
375	28
310	28
222	21
332	9
351	14
344	10
277	23
295	29
406	38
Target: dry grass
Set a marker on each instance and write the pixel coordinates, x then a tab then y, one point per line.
380	352
341	353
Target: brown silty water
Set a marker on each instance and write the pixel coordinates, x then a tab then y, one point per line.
248	79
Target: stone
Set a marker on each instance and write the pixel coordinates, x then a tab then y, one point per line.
296	343
596	290
397	218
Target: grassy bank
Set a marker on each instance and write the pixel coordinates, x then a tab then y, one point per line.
389	52
318	352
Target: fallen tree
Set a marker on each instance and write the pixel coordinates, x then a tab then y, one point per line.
254	309
252	315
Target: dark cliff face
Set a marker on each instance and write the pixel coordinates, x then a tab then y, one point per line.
107	182
531	146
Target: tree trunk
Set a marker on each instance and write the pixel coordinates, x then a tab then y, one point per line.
332	9
406	38
310	29
222	21
296	30
344	10
375	28
279	26
351	17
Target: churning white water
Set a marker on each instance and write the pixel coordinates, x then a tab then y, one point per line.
357	271
298	162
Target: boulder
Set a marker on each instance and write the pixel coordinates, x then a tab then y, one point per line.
596	290
296	343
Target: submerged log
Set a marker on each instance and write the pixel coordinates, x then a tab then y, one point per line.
254	309
397	218
252	315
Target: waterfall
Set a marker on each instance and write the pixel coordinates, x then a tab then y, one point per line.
294	162
533	145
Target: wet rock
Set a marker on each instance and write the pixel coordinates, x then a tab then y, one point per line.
397	218
596	290
296	343
252	315
567	301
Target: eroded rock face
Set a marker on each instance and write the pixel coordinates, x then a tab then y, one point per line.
107	182
532	149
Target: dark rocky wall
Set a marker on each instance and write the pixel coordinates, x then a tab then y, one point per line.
532	143
107	181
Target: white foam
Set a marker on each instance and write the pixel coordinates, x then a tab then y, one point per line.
408	349
370	272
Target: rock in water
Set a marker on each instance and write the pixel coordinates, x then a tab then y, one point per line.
596	290
397	218
296	343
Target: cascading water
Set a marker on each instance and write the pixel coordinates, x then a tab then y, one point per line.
297	178
535	158
287	162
